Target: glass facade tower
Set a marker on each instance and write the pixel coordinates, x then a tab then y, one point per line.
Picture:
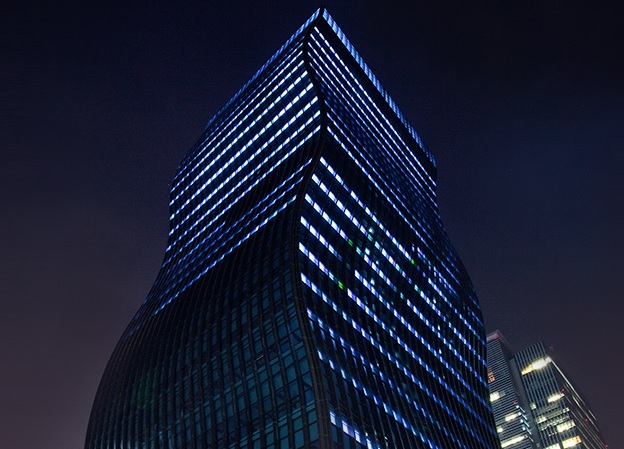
562	416
514	423
309	295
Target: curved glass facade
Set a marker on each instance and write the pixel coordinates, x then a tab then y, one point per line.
309	296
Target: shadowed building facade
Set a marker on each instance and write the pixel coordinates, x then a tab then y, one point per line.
309	295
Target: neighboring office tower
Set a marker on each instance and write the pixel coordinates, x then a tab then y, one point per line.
309	296
509	404
562	417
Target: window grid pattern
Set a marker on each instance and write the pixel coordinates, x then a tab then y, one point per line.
562	417
378	401
511	413
232	372
385	302
244	172
381	152
394	264
371	76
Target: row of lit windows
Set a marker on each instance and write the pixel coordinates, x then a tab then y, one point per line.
408	222
414	332
243	147
285	144
367	365
570	442
514	440
352	431
248	108
364	231
536	365
393	359
388	409
335	120
376	82
405	160
172	295
378	401
320	238
292	148
284	54
246	220
373	130
383	251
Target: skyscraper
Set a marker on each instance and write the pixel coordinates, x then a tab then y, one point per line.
514	423
562	416
309	296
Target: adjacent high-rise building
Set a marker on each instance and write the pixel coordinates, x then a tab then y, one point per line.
562	416
535	405
309	295
509	404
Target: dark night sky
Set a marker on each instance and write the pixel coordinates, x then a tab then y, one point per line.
521	102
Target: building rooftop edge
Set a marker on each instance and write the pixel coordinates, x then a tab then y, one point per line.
322	13
332	23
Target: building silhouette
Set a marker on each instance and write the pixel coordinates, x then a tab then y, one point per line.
309	295
535	405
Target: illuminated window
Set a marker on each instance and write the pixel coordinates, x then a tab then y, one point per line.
511	416
512	441
554	397
571	442
565	426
